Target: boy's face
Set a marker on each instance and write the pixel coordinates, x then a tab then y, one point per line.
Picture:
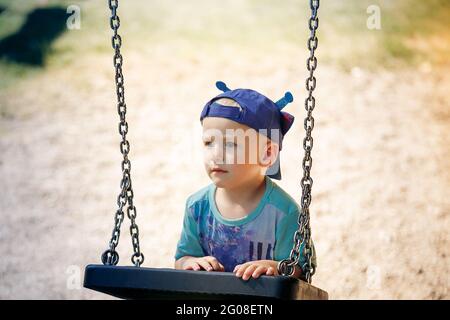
235	153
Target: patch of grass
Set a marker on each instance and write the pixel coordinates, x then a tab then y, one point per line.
11	73
412	27
407	37
413	31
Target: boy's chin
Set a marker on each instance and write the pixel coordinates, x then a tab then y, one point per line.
221	181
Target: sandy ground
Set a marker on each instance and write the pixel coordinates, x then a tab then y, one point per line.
380	211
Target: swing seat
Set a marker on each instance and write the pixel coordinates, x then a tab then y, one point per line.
163	283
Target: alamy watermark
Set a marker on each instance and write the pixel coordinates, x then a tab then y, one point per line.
73	22
73	281
373	277
373	22
239	146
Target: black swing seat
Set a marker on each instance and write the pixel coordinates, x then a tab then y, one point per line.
163	283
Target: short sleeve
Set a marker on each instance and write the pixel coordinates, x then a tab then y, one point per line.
284	239
189	244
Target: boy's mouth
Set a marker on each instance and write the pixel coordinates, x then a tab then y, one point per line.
218	170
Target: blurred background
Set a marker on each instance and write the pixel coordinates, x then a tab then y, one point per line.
380	212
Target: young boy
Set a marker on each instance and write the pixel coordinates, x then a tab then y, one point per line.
242	222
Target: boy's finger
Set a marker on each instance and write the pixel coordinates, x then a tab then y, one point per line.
213	262
219	267
270	271
248	272
204	264
240	270
243	266
192	266
259	271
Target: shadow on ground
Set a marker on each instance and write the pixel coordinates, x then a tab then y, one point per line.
30	44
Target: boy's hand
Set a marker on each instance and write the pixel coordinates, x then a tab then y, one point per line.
256	268
208	263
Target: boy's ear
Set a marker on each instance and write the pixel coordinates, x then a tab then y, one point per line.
271	151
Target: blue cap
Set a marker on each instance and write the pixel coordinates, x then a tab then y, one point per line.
257	112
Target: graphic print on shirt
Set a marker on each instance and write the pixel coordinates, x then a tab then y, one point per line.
233	245
260	251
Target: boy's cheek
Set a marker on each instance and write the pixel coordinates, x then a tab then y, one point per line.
243	156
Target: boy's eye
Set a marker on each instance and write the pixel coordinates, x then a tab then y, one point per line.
230	145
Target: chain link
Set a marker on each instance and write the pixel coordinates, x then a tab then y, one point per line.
110	256
303	234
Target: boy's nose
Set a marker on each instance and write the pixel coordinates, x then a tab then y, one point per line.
216	154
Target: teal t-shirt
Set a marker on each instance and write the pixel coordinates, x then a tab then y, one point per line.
265	234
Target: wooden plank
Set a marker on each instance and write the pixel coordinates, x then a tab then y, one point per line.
307	291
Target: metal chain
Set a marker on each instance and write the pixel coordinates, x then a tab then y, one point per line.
110	256
303	234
